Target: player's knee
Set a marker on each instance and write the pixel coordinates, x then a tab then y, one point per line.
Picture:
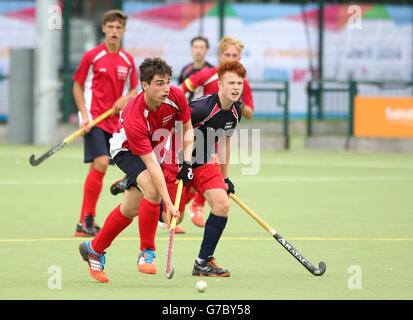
101	163
151	194
221	206
146	185
129	211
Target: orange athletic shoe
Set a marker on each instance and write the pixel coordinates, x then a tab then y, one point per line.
96	262
178	229
146	263
167	228
197	214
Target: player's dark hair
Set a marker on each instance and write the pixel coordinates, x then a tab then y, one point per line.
115	15
200	38
231	66
153	66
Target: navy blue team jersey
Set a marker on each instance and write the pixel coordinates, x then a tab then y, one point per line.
211	122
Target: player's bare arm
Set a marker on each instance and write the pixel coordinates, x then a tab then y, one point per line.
247	112
181	87
224	155
224	166
121	102
188	143
185	173
80	103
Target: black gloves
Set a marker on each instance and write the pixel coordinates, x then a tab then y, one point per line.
230	186
185	173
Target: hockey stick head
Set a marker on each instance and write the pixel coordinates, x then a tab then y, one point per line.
169	274
321	269
33	161
170	269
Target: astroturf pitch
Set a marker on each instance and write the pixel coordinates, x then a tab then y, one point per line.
354	211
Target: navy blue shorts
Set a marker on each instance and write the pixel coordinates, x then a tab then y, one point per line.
96	144
132	165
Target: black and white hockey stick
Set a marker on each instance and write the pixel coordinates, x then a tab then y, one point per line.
307	264
67	140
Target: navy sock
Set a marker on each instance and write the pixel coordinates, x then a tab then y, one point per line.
160	211
214	227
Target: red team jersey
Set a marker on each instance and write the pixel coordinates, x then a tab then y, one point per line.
105	77
136	130
208	79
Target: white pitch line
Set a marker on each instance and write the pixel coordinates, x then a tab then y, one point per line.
223	238
281	162
335	164
40	182
27	155
279	179
325	179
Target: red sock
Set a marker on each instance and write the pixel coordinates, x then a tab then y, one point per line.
115	223
199	200
91	191
148	222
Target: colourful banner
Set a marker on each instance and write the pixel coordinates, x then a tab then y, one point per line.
361	41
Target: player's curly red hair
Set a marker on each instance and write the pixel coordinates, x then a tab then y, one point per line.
231	66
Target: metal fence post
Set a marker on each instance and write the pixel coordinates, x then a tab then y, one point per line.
66	75
20	118
319	100
352	94
286	116
118	4
309	113
221	16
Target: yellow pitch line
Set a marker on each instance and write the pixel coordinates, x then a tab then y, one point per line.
224	239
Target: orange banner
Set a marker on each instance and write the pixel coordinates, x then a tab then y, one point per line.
383	117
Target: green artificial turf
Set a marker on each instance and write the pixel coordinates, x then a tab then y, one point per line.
354	211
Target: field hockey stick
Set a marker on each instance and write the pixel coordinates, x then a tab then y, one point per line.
170	269
307	264
67	140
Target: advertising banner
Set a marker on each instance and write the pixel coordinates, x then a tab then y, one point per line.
383	117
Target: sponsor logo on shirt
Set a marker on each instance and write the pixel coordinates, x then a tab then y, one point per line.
122	72
167	119
228	125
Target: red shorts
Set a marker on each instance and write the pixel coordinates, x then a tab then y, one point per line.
170	178
207	176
